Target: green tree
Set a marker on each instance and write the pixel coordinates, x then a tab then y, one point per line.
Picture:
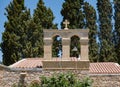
28	32
44	16
10	40
107	51
22	30
90	16
19	38
72	11
81	15
117	27
31	45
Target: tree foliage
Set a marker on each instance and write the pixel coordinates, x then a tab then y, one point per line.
117	28
10	45
19	38
107	51
72	11
44	16
31	45
82	15
90	16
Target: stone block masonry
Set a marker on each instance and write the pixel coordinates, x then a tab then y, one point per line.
9	76
66	65
66	39
12	77
106	80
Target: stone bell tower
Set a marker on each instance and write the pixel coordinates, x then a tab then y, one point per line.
65	62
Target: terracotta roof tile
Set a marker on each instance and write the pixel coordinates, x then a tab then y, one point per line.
104	68
95	68
28	63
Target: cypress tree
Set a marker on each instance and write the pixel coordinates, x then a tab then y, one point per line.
10	40
28	32
72	11
90	16
22	30
44	16
107	51
117	27
19	39
82	15
32	46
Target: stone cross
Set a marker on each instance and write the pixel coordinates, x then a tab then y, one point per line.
66	23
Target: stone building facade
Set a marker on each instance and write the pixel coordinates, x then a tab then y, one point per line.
10	77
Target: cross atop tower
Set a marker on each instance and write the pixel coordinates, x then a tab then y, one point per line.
66	23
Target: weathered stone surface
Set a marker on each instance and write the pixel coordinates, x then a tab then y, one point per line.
106	80
47	52
9	77
66	37
66	52
66	34
57	65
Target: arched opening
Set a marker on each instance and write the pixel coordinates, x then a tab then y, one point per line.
75	46
57	46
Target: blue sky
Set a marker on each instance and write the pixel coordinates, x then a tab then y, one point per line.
55	6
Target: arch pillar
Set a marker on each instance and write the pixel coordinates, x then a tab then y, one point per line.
66	48
84	48
47	48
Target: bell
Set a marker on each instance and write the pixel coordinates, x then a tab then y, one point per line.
75	49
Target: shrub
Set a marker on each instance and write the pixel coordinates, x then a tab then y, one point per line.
65	80
35	84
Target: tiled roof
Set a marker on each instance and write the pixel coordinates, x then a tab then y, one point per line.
28	63
95	68
104	68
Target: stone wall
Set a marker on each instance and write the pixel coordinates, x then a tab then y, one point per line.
106	80
8	77
13	77
66	65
